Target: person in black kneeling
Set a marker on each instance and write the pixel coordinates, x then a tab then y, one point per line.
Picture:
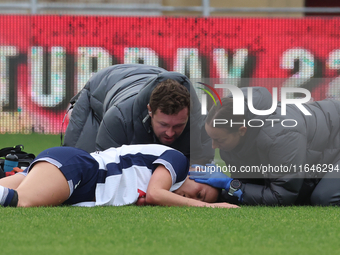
273	164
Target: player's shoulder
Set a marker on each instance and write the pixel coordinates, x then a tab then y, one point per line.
152	149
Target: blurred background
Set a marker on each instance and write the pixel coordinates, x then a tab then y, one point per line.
49	49
198	8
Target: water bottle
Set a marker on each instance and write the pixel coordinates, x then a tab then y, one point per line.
11	161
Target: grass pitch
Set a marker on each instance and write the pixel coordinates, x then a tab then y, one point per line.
34	143
163	230
169	230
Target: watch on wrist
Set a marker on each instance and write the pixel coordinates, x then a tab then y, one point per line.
234	186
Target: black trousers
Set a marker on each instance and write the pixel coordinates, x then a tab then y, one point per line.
327	191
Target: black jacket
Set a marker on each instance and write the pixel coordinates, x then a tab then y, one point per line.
112	110
314	140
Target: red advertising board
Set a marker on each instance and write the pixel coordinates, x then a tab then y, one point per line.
45	60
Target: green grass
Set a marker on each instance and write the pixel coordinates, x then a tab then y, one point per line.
163	230
160	230
34	143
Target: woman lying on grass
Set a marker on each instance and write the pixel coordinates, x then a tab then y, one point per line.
131	174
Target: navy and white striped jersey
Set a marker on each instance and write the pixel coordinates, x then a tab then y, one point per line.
125	172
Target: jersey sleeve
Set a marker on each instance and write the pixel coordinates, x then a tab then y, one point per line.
176	163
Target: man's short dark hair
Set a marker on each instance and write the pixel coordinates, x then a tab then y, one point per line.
170	97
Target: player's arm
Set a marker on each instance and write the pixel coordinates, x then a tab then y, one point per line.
158	192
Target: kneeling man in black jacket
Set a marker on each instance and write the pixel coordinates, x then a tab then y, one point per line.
139	104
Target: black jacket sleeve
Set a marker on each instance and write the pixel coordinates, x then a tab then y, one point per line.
282	152
281	191
77	135
112	131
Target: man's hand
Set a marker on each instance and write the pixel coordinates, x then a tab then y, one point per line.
210	176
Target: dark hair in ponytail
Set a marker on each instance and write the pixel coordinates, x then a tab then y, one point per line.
224	111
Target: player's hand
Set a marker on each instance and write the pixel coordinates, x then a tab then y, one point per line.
141	201
223	205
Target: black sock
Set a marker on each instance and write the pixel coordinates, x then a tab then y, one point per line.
14	201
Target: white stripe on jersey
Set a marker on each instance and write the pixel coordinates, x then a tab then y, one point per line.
121	181
169	167
146	149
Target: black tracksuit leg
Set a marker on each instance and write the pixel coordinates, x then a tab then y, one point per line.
327	191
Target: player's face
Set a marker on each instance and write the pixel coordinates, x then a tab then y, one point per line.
223	139
198	191
168	128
